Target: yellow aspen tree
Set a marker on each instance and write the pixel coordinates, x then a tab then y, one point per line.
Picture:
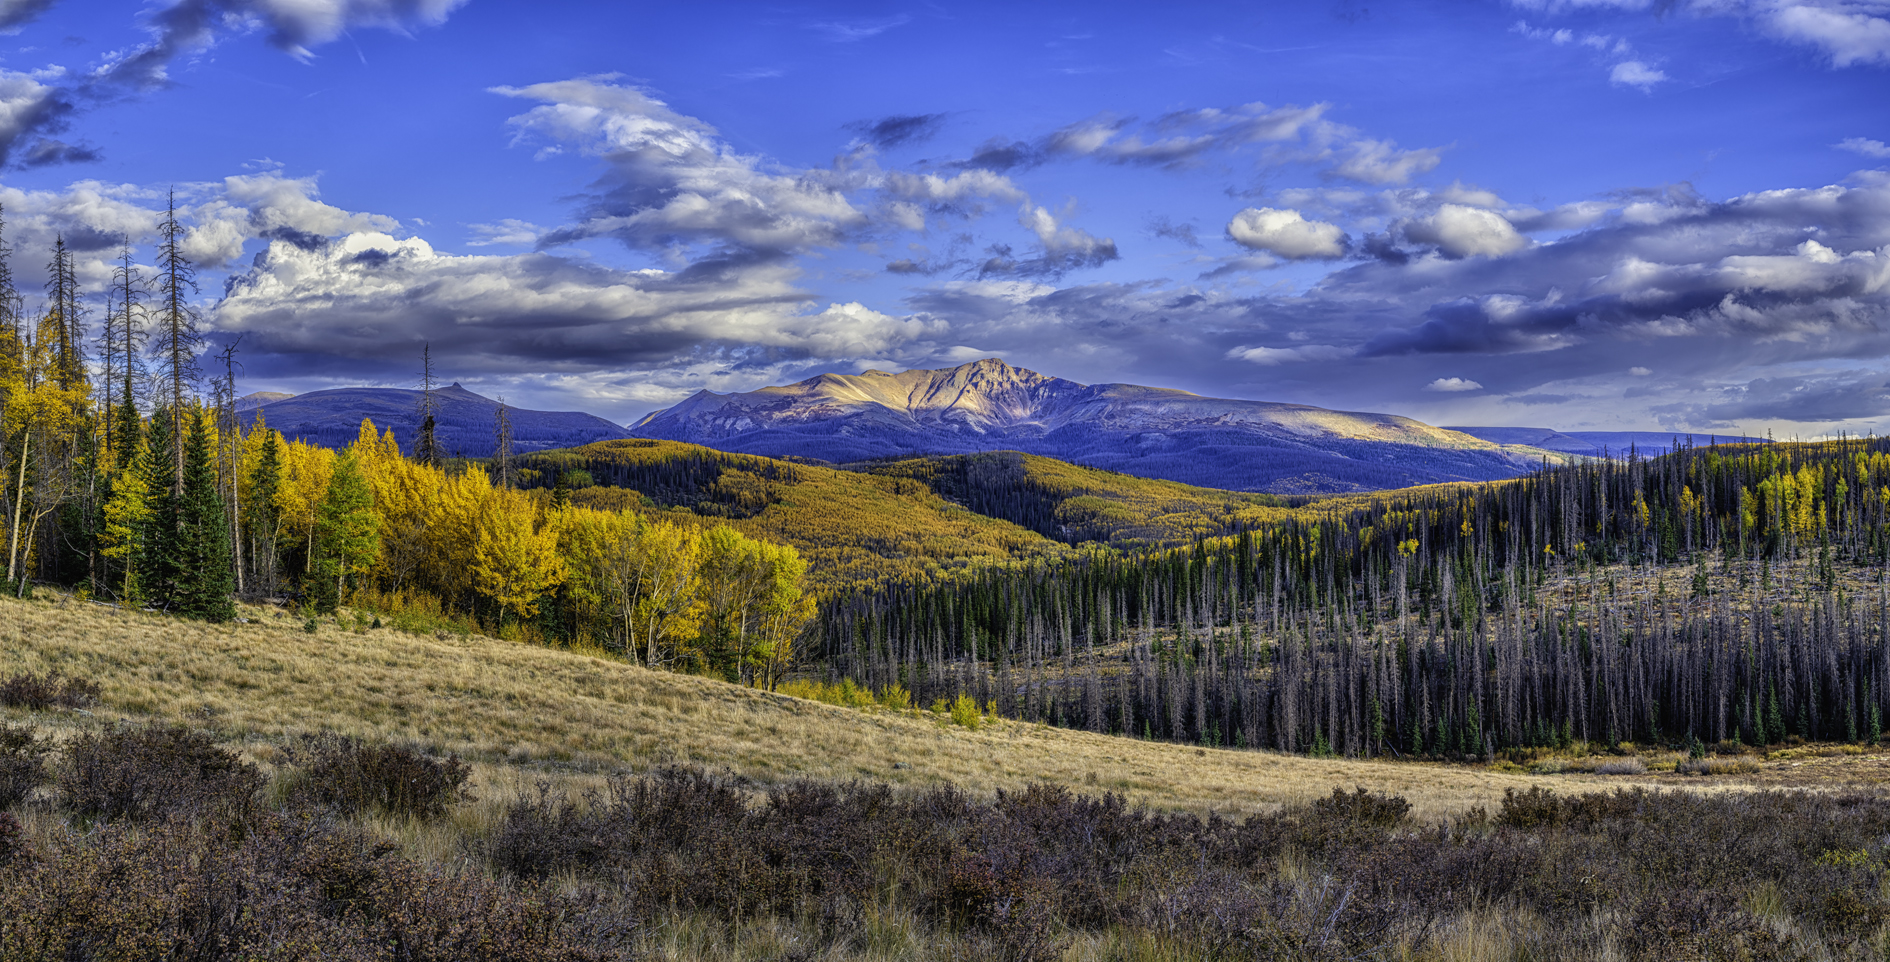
515	560
306	470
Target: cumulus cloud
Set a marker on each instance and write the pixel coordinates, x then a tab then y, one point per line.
1633	73
367	299
1452	385
1382	162
33	108
1460	231
672	183
268	206
1287	234
1850	33
1060	249
1869	148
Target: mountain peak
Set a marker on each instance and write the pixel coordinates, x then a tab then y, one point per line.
987	404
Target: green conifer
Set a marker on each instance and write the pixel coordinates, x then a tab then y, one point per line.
205	578
155	561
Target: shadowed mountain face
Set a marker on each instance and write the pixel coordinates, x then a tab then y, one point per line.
1151	432
465	423
1595	444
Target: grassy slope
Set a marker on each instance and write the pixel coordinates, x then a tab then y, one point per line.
526	709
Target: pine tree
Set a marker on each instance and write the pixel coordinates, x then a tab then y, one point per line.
155	562
125	341
205	579
178	337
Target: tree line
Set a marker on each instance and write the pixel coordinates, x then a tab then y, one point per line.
1452	620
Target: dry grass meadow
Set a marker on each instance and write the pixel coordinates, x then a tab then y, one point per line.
524	711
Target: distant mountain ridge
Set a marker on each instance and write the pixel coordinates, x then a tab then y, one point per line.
1597	444
1151	432
464	423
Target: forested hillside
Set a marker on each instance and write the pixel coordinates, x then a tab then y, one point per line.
1075	504
1721	593
856	530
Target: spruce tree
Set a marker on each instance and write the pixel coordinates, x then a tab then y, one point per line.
155	561
205	579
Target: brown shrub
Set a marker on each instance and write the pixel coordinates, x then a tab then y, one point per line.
1537	807
285	888
351	776
22	763
25	690
153	771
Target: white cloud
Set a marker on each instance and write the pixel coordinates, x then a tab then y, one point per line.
510	232
674	183
1639	371
1869	148
1459	231
1270	356
1382	162
1851	33
1452	385
1287	233
369	298
268	206
1633	73
296	25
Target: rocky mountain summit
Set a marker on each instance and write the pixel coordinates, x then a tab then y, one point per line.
1152	432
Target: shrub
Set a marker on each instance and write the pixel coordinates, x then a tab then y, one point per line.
351	776
22	763
1537	807
1631	765
281	889
153	771
1363	807
12	839
38	693
965	712
1717	766
895	696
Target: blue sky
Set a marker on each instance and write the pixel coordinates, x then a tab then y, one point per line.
1573	213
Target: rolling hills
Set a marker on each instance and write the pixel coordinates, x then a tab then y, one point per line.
1173	435
465	423
899	520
